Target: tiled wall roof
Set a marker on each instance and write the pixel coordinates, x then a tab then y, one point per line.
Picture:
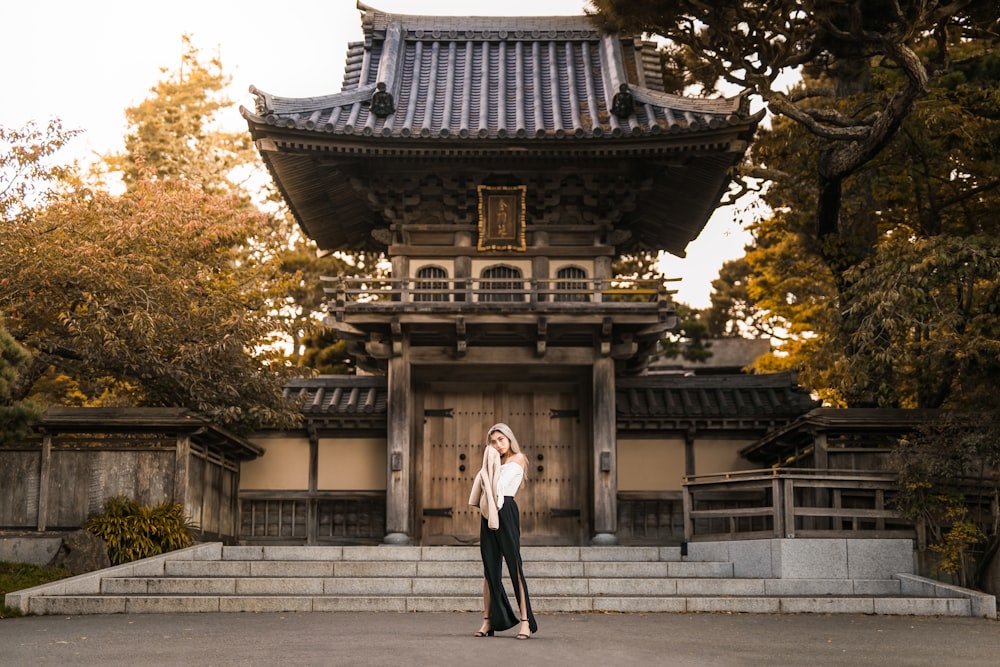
737	397
340	395
649	400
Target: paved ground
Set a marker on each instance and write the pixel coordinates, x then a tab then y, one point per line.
444	640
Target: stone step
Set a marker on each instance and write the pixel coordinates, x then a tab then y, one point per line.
213	578
445	553
140	604
440	568
444	586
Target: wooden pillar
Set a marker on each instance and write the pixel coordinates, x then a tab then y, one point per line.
602	273
821	497
398	423
463	269
689	460
605	467
312	511
182	469
821	452
400	273
44	480
540	269
235	505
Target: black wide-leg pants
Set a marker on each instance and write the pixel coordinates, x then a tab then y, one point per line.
504	544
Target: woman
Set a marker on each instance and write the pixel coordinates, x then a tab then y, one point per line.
500	533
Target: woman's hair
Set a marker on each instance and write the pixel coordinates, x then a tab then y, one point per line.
503	428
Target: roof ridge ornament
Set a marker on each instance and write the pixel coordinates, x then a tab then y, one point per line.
382	104
623	104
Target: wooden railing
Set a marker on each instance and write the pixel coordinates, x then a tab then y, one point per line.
323	517
650	518
792	503
429	291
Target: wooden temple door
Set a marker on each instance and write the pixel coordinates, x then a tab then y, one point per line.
546	419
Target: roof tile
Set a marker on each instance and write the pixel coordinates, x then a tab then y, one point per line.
497	78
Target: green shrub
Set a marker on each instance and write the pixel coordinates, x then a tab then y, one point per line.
134	531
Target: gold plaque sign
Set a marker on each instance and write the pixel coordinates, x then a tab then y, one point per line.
501	217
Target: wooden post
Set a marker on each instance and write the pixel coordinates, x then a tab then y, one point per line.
820	496
821	452
689	460
602	274
398	424
789	508
605	468
44	478
687	504
182	470
312	510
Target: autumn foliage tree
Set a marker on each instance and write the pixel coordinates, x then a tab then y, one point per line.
867	63
150	296
933	200
887	142
881	169
15	416
27	174
174	133
162	295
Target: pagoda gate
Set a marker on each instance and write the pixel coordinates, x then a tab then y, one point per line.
501	164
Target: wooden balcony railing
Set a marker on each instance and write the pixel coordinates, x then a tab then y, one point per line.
428	291
792	503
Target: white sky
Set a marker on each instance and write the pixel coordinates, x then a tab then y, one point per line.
86	61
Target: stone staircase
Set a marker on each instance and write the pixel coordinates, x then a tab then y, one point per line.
216	578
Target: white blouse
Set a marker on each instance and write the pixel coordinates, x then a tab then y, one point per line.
511	474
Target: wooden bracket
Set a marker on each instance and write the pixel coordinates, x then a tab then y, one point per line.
606	329
461	337
626	349
397	336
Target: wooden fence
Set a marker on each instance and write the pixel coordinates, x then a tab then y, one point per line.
59	479
792	502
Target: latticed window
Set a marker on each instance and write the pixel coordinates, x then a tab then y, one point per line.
431	284
571	284
501	283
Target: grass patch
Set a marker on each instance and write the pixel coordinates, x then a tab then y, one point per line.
18	576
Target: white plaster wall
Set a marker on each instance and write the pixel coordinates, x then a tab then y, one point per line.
712	456
650	465
284	466
356	464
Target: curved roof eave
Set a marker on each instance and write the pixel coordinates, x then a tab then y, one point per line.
734	135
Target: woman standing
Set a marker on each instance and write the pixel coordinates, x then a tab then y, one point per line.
500	534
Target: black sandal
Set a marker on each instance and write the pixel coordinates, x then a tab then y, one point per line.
488	633
521	635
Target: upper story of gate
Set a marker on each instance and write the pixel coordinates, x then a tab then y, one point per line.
565	130
501	164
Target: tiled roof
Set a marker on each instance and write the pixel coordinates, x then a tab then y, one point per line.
722	401
532	78
801	433
140	421
646	402
481	101
341	396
